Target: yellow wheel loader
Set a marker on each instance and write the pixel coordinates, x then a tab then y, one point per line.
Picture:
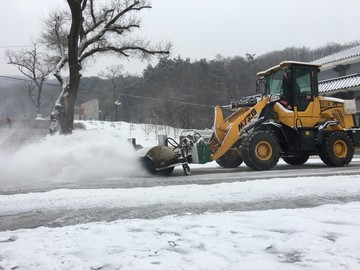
287	119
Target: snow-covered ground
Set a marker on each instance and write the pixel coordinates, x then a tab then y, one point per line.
323	237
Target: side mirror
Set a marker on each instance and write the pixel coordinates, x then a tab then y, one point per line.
261	86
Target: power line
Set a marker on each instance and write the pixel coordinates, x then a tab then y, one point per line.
14	46
158	99
25	80
119	94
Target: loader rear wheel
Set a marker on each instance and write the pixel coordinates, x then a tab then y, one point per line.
229	160
260	150
297	160
336	149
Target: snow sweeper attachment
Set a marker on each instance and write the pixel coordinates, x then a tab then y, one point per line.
193	147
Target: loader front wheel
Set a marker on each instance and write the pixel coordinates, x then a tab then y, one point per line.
260	150
229	160
336	149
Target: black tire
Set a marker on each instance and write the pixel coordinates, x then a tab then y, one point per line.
149	166
229	160
336	149
260	150
297	160
166	172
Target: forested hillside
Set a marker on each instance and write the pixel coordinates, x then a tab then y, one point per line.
176	91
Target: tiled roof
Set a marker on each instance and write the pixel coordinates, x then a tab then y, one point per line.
340	83
345	54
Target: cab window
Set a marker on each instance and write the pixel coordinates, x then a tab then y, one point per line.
303	88
274	83
303	81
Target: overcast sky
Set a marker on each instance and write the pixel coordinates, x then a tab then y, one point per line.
204	28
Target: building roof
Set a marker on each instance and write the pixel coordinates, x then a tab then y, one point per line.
340	83
342	55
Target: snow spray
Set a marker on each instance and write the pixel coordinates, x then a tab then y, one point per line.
82	156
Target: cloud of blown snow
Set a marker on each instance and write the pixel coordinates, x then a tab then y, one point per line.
82	156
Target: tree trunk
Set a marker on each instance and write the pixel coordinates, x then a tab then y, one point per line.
62	118
74	66
67	119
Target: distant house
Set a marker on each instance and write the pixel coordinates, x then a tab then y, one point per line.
79	113
340	74
87	111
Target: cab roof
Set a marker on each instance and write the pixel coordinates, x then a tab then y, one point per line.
285	64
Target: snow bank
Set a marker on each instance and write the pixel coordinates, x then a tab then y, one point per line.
145	134
319	238
260	192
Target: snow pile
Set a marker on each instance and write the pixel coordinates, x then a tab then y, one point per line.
84	155
322	238
145	134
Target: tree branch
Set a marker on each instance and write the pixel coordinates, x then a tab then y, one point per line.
92	12
122	50
110	25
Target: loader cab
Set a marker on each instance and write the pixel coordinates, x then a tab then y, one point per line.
295	86
296	82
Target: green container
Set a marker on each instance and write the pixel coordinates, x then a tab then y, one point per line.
201	152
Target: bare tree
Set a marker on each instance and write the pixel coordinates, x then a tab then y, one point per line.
34	66
84	33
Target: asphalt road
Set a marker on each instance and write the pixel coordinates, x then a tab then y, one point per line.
202	176
199	175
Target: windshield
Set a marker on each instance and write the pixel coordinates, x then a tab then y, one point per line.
274	83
